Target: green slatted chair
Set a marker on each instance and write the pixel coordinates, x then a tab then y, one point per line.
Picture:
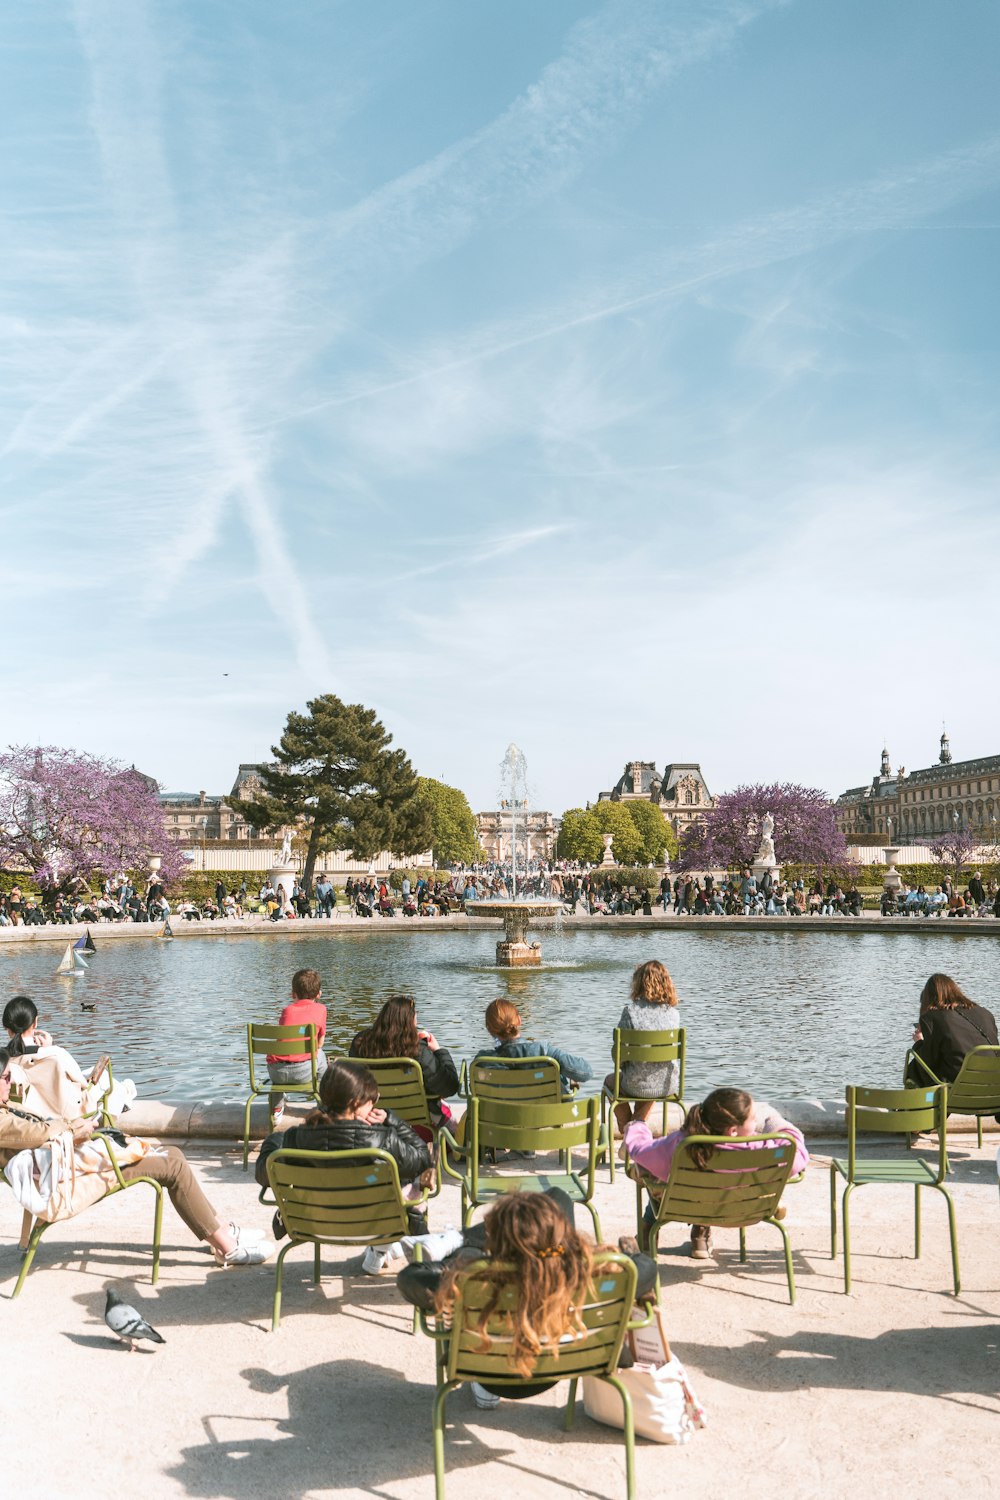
277	1041
518	1080
401	1089
893	1112
642	1047
492	1124
739	1186
976	1090
606	1316
30	1242
348	1198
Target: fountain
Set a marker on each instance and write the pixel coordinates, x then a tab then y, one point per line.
514	951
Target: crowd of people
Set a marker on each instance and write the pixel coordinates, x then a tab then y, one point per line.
541	1259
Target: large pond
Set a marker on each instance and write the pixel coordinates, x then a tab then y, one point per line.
787	1014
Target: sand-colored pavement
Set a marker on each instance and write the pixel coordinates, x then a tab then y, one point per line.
889	1391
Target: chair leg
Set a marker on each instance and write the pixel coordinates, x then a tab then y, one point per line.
317	1264
743	1246
916	1221
789	1268
848	1190
440	1396
979	1131
246	1133
833	1213
157	1232
597	1223
279	1276
953	1235
629	1434
29	1255
570	1406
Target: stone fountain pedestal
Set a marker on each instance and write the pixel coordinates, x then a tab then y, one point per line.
514	951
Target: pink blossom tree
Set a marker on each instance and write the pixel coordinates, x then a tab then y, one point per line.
728	837
954	848
65	816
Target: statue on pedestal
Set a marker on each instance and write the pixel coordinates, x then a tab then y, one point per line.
285	857
765	854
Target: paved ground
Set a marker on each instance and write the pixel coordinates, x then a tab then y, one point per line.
891	1390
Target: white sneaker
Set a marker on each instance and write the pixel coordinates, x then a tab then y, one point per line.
377	1258
244	1235
436	1246
484	1399
249	1255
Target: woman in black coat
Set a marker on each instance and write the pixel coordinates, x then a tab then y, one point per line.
950	1026
350	1120
394	1033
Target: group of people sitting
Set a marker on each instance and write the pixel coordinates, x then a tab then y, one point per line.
531	1236
945	900
115	902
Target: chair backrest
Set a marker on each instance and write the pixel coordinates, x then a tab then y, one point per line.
658	1047
570	1125
516	1079
591	1351
897	1112
976	1090
339	1196
400	1086
264	1040
739	1184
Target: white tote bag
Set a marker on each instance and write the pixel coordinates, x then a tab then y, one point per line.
664	1406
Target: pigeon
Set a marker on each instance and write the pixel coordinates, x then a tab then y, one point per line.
126	1323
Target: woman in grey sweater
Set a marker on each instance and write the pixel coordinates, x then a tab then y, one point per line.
652	1006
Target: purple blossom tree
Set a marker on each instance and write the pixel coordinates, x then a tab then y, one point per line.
65	816
954	848
728	837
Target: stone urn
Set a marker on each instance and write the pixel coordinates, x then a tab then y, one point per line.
609	859
892	879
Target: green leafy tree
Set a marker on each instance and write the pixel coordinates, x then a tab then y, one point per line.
657	836
453	827
626	842
579	837
336	780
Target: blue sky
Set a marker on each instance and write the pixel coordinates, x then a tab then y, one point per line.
620	379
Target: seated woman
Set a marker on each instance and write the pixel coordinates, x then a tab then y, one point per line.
22	1130
950	1026
503	1022
49	1079
394	1033
728	1112
350	1121
652	1006
549	1263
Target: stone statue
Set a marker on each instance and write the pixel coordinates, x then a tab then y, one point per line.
285	857
765	854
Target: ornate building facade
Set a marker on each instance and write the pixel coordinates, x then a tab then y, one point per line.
926	803
681	793
537	840
195	818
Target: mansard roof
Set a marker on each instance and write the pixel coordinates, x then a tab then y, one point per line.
988	766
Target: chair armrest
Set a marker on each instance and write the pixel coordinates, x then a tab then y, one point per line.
650	1306
110	1149
448	1142
912	1056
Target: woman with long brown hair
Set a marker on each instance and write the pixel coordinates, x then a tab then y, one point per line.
652	1006
950	1025
394	1033
532	1240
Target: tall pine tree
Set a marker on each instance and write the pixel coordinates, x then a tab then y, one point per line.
335	778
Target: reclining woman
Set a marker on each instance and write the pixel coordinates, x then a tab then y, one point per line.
50	1079
503	1022
22	1130
394	1033
533	1235
351	1121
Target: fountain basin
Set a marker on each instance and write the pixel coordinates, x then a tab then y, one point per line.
514	951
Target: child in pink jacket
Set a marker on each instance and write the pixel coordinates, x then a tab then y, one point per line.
729	1112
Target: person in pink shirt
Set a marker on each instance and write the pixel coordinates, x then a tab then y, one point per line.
729	1112
305	1007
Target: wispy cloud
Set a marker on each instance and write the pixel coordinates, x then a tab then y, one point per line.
469	557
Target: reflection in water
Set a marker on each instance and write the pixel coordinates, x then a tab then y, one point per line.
788	1014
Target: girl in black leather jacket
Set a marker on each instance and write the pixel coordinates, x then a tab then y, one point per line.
350	1120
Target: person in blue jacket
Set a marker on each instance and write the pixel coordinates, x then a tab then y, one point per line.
503	1022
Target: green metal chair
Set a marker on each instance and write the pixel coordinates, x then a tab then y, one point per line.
659	1047
739	1186
976	1090
893	1112
492	1124
518	1080
277	1041
348	1198
461	1356
121	1184
401	1089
